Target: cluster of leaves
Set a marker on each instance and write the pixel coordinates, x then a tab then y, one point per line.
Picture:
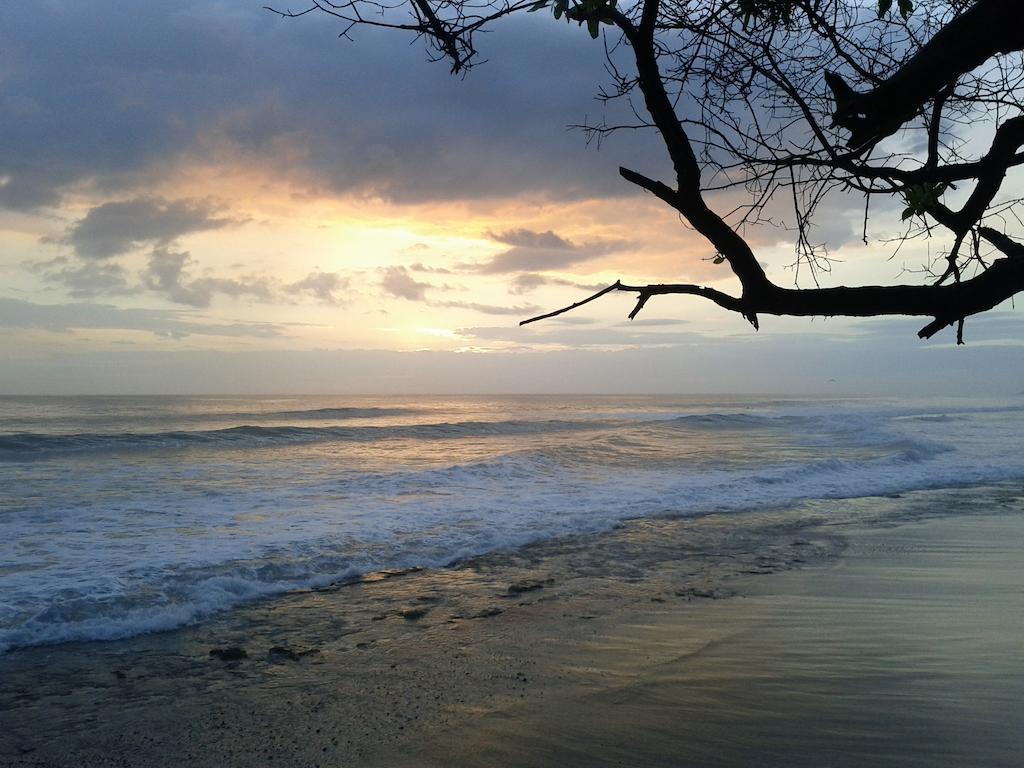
921	198
773	11
906	8
590	12
776	11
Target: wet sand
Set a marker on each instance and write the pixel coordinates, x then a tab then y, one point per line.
853	633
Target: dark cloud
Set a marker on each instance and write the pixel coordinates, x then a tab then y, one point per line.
533	251
121	226
518	259
103	93
111	92
15	313
167	274
525	238
397	282
323	286
85	281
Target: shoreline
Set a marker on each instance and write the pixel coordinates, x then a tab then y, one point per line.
453	665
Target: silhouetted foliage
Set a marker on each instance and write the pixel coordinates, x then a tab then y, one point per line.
797	100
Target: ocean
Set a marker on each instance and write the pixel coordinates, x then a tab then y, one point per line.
127	515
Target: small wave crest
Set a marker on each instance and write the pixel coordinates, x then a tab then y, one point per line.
313	414
713	421
190	599
29	445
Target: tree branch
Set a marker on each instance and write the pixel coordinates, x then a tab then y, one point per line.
687	197
987	28
947	303
616	286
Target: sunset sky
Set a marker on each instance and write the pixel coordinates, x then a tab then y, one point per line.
199	196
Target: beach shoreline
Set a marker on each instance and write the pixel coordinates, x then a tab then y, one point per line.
629	647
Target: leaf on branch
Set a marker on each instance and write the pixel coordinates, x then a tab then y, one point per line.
906	8
774	11
590	12
921	198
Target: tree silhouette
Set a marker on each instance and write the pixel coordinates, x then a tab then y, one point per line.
799	100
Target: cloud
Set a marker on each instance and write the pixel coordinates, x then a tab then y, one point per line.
117	94
397	282
533	251
525	238
166	274
571	320
489	309
321	285
118	227
421	267
529	281
652	322
15	313
84	281
169	274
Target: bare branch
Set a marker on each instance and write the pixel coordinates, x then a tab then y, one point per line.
613	287
986	28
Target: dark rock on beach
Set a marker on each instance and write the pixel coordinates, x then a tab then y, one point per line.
232	653
281	653
486	613
526	585
703	593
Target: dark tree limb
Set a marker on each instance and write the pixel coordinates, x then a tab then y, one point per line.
616	286
948	304
1009	247
645	292
987	28
687	197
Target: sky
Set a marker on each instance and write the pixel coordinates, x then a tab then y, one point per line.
201	197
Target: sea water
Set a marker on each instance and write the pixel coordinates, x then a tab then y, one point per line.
120	516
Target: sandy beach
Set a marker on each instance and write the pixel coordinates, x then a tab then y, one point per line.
878	631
